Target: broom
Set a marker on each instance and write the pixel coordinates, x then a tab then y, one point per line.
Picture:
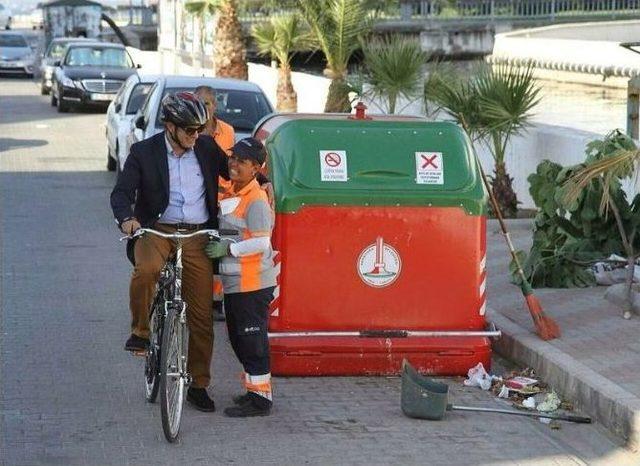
546	327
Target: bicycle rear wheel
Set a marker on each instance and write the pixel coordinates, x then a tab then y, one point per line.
152	359
172	380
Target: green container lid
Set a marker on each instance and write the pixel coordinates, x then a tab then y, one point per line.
384	161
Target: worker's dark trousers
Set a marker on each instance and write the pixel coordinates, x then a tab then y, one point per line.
247	315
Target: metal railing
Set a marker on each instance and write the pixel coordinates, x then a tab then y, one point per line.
519	9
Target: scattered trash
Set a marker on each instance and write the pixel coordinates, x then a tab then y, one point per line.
478	377
529	403
551	403
555	425
519	382
613	271
504	392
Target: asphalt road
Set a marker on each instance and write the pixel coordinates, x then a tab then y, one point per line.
70	395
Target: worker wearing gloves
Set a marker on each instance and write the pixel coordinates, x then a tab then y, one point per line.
248	274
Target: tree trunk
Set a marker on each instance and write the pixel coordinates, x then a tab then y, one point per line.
338	97
287	99
229	54
502	187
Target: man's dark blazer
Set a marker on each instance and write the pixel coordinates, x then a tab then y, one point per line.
144	180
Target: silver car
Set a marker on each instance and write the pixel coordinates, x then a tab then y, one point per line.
239	103
16	56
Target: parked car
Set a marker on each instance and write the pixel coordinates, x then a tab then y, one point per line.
5	17
54	53
90	75
121	111
16	56
240	103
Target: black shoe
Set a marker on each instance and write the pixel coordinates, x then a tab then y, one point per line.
240	399
136	343
199	399
218	313
255	405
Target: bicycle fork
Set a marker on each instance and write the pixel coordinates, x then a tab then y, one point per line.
183	335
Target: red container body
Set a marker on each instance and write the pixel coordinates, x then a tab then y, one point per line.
326	255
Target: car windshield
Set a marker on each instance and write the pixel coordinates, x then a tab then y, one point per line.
137	98
241	109
96	56
12	40
57	50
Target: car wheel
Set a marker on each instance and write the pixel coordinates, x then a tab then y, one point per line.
112	164
43	89
62	106
54	101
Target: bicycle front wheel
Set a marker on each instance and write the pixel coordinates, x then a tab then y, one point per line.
152	359
172	375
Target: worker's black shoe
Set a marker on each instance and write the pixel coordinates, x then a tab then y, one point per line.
254	405
136	343
218	312
199	399
240	399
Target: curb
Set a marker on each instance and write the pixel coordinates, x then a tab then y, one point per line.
606	402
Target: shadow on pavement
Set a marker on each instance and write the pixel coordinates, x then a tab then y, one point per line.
7	144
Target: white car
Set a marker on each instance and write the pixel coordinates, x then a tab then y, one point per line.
239	103
5	17
121	111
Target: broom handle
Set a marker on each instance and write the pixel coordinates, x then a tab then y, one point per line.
498	212
560	417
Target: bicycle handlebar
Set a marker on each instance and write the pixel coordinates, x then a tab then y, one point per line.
212	233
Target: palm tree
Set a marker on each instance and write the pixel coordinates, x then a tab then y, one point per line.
394	68
280	38
618	164
493	105
337	26
229	51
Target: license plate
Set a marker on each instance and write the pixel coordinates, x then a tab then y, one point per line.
102	96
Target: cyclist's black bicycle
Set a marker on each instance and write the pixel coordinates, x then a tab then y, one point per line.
165	368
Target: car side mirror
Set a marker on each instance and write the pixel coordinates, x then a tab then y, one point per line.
140	124
138	66
118	107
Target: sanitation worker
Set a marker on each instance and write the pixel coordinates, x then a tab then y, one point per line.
224	135
248	274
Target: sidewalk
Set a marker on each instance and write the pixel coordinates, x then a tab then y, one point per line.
596	360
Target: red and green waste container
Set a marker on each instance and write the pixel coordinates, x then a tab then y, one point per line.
380	228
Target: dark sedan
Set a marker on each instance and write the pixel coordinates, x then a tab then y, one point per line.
90	75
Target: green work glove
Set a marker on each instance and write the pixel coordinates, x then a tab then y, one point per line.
217	249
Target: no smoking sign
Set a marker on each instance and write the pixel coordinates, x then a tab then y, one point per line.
333	165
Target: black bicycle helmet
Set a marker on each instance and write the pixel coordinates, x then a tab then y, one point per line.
184	109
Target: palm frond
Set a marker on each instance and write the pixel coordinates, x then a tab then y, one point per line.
394	65
202	8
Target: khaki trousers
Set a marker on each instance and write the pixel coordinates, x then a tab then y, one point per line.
151	253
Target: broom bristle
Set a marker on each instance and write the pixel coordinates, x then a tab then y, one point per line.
546	327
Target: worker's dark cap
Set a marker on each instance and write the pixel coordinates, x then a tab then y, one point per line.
250	149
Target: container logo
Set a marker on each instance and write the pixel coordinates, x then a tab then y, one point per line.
379	264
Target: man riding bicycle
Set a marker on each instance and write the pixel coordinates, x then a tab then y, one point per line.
170	183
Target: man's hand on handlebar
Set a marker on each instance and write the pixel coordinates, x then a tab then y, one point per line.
129	227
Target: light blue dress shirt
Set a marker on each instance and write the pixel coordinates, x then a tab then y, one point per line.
186	189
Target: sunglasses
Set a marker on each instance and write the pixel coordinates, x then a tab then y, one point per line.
191	130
